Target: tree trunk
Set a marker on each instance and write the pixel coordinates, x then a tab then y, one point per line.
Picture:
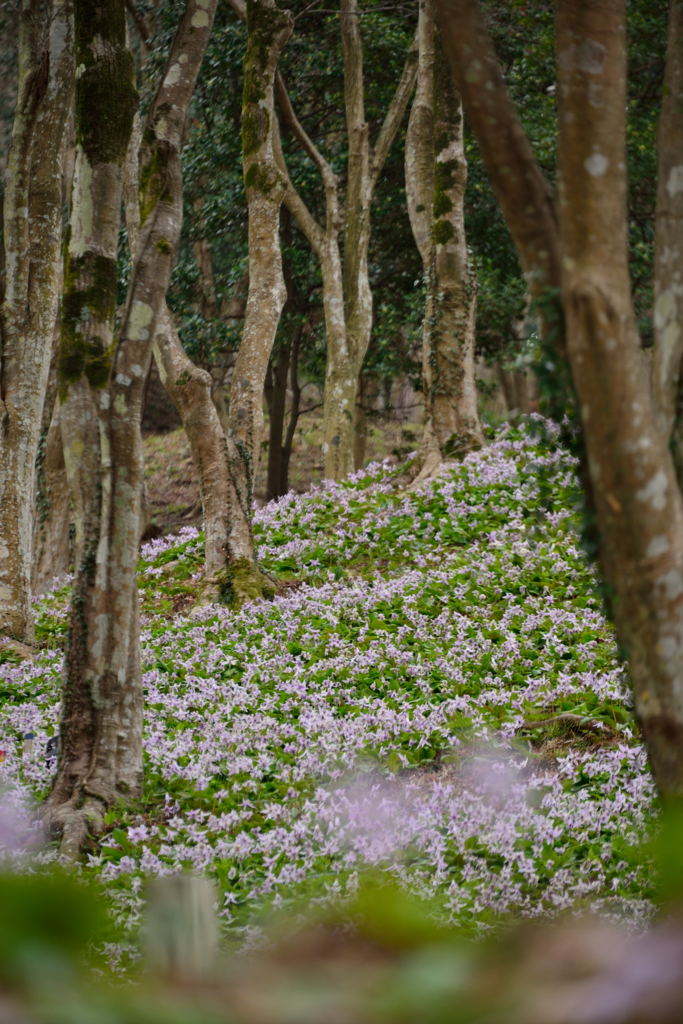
227	536
637	500
639	507
53	547
32	242
668	312
225	458
276	394
346	359
267	32
436	175
101	726
347	300
368	395
295	409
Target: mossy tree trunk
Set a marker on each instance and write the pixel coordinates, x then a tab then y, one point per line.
32	220
436	176
346	349
226	458
344	362
267	32
101	726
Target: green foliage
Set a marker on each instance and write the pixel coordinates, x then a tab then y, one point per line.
523	34
48	926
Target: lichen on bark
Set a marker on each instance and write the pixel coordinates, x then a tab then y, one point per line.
264	24
155	182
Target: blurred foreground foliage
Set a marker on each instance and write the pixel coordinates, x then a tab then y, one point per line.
384	958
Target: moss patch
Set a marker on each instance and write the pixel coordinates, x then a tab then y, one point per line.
243	581
88	309
106	97
106	101
255	128
261	178
443	232
263	25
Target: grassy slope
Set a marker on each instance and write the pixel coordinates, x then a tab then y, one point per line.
380	712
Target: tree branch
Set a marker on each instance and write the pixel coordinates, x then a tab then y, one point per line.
394	114
139	21
293	200
300	133
240	9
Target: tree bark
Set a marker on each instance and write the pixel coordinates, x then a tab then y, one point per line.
346	349
227	537
668	312
101	726
637	501
638	504
436	176
267	32
53	547
32	242
294	412
225	454
276	398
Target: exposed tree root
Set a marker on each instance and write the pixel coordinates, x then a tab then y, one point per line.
15	650
433	462
72	822
432	465
234	586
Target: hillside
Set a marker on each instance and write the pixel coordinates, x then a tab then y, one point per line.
434	692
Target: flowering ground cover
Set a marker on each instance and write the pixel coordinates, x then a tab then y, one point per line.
434	693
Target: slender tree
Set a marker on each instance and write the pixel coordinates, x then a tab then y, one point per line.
267	32
524	195
436	175
219	464
101	726
226	459
347	298
32	255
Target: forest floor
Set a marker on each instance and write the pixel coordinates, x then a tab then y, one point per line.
172	488
434	694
